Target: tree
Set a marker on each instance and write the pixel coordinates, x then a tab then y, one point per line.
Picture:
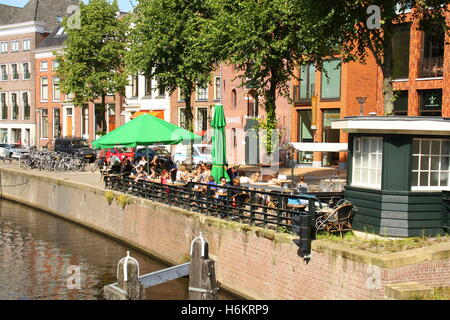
362	33
91	64
169	40
267	40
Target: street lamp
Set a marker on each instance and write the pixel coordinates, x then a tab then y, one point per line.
361	101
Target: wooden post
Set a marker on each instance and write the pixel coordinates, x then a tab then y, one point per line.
202	275
129	280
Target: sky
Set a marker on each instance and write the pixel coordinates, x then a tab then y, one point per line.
125	5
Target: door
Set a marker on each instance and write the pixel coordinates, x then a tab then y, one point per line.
69	119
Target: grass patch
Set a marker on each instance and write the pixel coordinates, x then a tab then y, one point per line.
381	245
440	293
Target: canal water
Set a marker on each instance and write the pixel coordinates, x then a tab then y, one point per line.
38	253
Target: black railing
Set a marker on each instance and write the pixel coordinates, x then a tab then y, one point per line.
254	207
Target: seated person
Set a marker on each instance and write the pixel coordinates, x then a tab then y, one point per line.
126	168
115	168
302	186
182	174
153	173
232	173
256	177
222	193
212	183
142	175
274	179
165	177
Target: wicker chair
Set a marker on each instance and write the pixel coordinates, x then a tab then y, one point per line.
339	220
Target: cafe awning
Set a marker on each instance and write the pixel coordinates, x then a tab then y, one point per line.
320	146
157	113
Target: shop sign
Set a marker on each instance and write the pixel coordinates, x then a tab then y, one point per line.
314	112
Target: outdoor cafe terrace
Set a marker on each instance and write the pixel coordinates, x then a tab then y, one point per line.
262	205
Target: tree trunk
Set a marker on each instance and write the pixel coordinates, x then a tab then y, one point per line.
387	69
271	124
189	125
104	114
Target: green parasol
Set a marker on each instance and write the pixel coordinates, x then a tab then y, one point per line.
143	131
219	145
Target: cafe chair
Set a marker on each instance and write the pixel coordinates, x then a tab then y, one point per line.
338	220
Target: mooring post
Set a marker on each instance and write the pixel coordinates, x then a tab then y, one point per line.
202	275
128	278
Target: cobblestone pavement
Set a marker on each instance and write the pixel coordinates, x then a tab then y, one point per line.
85	177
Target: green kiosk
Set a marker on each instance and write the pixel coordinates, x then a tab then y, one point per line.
398	174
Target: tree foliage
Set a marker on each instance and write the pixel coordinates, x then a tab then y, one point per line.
360	38
267	40
91	64
170	40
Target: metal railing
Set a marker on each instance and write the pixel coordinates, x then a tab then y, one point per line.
267	209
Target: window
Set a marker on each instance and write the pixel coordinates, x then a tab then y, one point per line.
400	51
56	90
233	99
367	161
252	104
329	134
161	90
4	47
180	95
26	70
217	88
26	45
307	82
430	102
202	122
85	120
135	85
15	71
26	106
3	135
331	85
401	103
431	63
182	118
430	166
55	64
202	93
15	106
15	46
404	7
44	120
148	86
44	65
44	89
4	72
57	123
3	103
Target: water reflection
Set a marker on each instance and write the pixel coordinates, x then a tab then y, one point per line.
36	250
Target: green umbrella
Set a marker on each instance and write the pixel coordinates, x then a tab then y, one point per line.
144	130
219	144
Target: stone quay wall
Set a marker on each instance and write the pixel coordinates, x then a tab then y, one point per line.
251	262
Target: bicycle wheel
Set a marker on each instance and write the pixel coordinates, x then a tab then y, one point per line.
94	166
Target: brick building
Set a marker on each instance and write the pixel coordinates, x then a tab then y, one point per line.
421	83
21	30
241	108
56	114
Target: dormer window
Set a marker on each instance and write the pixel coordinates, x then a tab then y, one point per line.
60	31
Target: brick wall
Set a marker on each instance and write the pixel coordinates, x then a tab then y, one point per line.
251	262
